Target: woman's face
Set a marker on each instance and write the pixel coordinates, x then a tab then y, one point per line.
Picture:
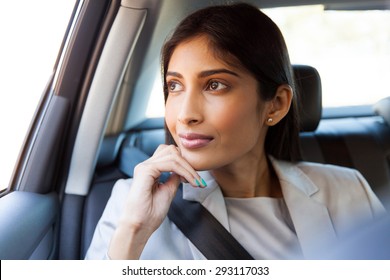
213	109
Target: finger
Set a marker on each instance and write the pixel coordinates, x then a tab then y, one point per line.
172	153
171	156
176	163
199	181
172	183
166	149
160	148
153	169
183	180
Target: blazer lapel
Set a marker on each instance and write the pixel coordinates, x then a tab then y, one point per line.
310	218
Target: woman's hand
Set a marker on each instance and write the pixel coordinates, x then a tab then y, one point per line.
149	200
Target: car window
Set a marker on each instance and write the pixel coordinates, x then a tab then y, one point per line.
350	49
31	35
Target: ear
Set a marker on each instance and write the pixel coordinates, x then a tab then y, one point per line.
279	105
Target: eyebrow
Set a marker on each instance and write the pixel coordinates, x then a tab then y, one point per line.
206	73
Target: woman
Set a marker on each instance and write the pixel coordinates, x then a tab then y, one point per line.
231	112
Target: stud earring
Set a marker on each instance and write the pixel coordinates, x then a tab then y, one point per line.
270	120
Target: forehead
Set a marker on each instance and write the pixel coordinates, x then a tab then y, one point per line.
202	50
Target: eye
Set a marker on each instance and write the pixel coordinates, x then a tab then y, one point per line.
215	86
174	86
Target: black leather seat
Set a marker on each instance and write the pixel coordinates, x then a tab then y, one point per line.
360	142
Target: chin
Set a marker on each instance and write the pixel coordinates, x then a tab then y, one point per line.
199	165
200	162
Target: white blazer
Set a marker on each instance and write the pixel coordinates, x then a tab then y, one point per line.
324	202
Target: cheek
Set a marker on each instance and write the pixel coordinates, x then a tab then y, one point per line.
239	120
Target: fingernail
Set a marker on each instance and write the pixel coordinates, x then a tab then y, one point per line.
197	182
203	182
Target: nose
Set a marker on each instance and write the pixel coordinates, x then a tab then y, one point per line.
191	108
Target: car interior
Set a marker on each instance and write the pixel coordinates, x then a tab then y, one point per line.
91	128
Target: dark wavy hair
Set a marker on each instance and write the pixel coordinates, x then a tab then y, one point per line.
241	33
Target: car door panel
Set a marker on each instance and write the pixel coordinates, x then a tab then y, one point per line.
27	225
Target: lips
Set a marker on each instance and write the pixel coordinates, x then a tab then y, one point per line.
194	140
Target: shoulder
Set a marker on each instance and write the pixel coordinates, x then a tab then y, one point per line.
340	182
320	174
335	180
329	173
336	186
346	193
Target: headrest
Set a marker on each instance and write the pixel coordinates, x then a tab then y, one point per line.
308	85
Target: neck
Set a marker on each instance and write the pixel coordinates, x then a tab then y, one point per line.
251	178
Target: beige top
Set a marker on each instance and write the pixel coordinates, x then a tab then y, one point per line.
263	227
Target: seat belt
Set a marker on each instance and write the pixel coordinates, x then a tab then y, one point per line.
192	219
204	231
